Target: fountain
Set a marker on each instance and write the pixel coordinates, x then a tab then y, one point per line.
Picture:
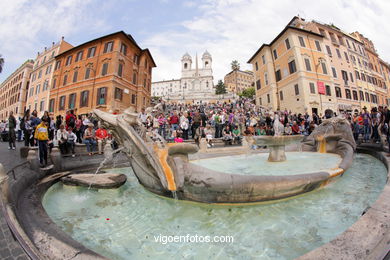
57	221
163	168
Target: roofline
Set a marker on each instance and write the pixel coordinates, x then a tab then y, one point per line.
106	36
349	35
280	35
247	72
161	81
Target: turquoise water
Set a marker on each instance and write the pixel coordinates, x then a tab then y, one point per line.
122	223
257	164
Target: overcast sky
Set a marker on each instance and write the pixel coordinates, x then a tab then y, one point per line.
228	29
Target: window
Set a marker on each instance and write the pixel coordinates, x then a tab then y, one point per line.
136	59
301	41
275	54
54	83
48	69
355	95
135	78
75	74
292	67
268	98
108	47
363	76
123	49
258	84
338	53
31	91
338	92
51	105
346	57
361	94
58	65
328	91
101	96
281	95
328	50
349	46
45	85
324	70
263	59
348	94
87	73
104	69
62	103
84	98
278	75
334	72
287	44
322	32
260	102
133	98
340	40
120	68
345	76
266	78
38	89
118	94
42	106
72	100
307	64
312	88
79	56
318	46
350	75
44	59
257	66
68	60
91	52
40	74
357	75
296	88
65	79
367	97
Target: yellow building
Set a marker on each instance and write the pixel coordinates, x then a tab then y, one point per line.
374	77
385	71
13	91
237	80
41	77
291	71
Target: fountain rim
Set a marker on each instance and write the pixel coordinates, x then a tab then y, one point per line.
361	229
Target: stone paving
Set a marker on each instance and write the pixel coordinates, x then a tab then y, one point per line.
9	247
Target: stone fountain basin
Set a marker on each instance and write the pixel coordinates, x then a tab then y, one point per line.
97	181
201	184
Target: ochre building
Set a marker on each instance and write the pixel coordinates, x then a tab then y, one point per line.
110	73
237	80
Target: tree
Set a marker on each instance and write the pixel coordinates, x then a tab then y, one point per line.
235	65
249	93
1	63
220	88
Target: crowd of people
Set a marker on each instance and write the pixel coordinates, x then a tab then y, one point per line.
179	122
47	132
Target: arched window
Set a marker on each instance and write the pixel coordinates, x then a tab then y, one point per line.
206	63
185	65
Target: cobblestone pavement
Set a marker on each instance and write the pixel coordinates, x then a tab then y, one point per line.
9	248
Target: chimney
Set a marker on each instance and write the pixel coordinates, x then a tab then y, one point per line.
45	48
52	43
62	38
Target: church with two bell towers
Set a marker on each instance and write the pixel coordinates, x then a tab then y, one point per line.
195	85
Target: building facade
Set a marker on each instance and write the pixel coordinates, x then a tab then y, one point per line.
13	91
110	73
237	80
311	66
194	86
291	71
41	77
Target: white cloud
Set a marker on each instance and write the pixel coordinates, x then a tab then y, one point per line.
235	29
25	26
